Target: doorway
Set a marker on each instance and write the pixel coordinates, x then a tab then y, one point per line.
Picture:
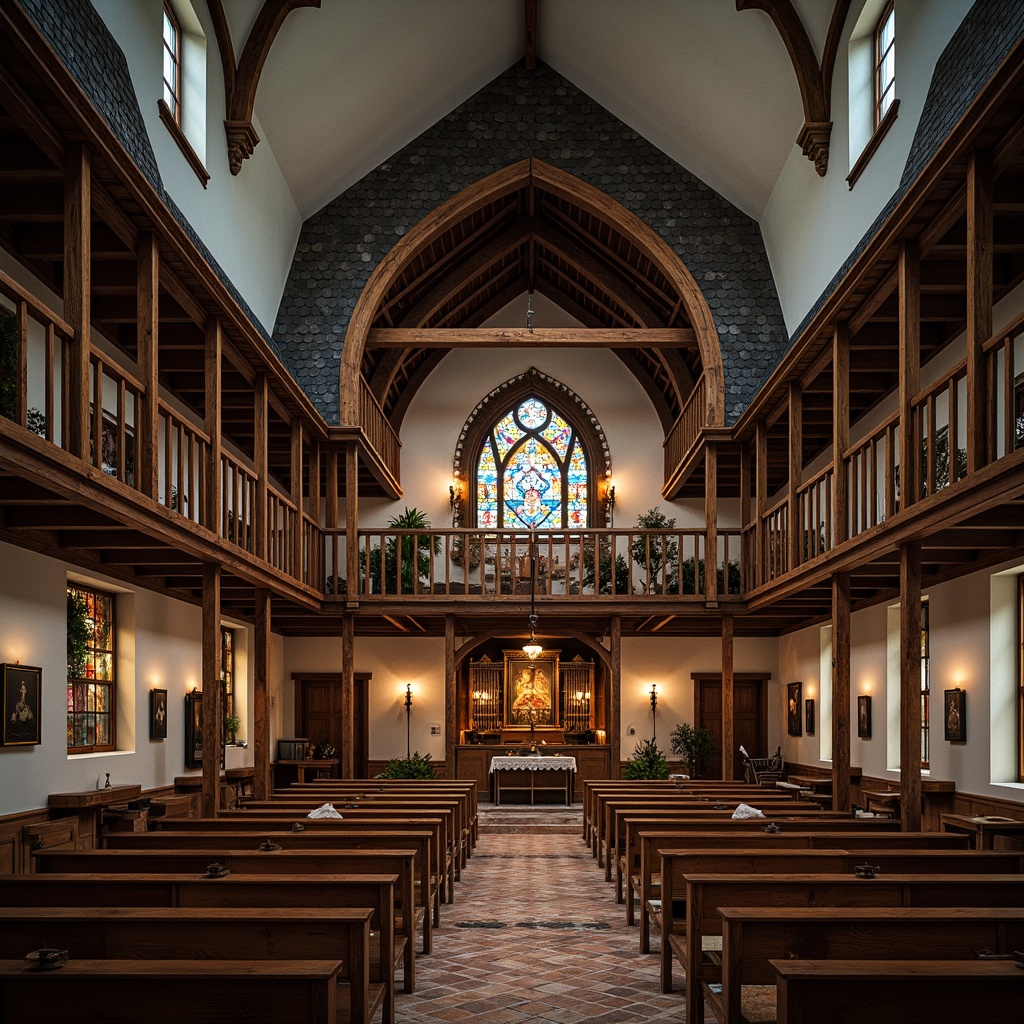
320	713
749	715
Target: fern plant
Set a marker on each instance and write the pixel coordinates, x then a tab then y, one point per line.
414	767
647	762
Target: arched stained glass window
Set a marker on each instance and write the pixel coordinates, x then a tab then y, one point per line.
532	471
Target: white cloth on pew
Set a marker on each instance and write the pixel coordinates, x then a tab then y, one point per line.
324	811
746	811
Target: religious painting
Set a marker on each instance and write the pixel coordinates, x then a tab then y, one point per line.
531	690
809	716
864	717
22	687
793	709
954	714
194	729
158	714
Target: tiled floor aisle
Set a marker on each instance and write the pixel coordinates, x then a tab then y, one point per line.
578	964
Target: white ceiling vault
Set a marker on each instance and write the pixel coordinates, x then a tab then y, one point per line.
347	85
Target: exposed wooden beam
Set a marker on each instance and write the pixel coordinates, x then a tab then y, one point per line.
539	337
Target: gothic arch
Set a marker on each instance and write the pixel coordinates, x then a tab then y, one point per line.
477	248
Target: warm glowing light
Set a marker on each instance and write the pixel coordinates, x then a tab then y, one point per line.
533	649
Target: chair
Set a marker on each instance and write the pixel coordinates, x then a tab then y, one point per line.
763	771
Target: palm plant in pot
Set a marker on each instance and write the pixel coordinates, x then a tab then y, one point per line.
411	551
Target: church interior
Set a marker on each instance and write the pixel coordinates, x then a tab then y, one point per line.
443	382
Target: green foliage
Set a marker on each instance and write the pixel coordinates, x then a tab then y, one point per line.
696	745
695	582
601	583
232	723
647	762
414	767
79	634
658	557
8	364
413	551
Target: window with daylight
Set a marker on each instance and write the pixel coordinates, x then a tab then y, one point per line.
172	63
91	670
925	689
227	668
885	62
533	472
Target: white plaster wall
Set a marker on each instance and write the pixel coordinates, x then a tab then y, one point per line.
249	220
973	634
160	647
811	224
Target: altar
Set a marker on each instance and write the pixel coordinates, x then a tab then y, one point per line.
534	775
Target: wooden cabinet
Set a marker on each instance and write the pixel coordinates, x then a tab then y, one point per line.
89	805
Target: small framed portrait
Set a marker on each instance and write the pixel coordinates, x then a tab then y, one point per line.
809	716
158	714
793	709
531	690
22	686
864	716
194	729
954	714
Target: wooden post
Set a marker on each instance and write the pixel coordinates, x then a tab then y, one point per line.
910	371
78	292
840	433
796	461
212	425
841	691
711	526
910	686
761	499
615	696
728	725
980	396
261	696
348	689
298	540
331	522
213	692
352	522
147	342
451	724
260	399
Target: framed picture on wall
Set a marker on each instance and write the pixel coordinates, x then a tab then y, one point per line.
793	709
954	704
864	717
22	686
158	714
531	690
194	729
809	716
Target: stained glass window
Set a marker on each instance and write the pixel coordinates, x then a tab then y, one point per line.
91	685
532	472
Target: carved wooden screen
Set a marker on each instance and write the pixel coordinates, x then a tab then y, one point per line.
577	686
485	690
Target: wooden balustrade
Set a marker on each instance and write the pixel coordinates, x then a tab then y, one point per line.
870	466
775	527
282	522
313	568
237	503
939	430
378	430
184	449
114	395
1004	355
683	434
814	512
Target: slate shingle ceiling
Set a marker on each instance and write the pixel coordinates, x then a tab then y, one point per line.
519	115
528	114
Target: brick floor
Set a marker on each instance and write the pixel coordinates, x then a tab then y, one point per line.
535	935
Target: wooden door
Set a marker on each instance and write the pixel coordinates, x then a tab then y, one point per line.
749	716
320	713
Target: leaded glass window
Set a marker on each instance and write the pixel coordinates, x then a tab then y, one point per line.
532	472
91	683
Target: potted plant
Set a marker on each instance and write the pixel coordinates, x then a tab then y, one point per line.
232	723
696	745
647	762
382	563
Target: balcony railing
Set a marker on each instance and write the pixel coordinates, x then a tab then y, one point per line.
683	434
570	565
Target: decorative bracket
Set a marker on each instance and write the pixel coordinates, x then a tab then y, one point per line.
813	142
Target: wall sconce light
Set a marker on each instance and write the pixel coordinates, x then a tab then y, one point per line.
609	497
408	720
654	710
455	495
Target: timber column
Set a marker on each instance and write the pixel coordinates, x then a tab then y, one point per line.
841	691
213	692
615	696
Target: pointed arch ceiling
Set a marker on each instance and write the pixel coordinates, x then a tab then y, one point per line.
532	228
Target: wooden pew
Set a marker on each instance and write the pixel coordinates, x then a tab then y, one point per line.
752	936
888	992
246	834
248	862
441	859
246	933
373	892
171	991
705	894
654	843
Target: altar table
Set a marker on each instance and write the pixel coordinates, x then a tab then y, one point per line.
533	775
